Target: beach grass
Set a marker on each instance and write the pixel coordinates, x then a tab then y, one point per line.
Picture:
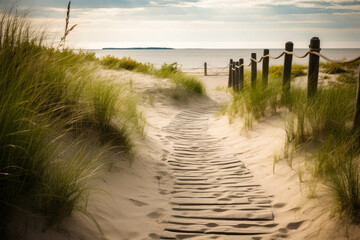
46	96
332	68
124	63
276	71
254	103
346	78
324	122
336	68
190	84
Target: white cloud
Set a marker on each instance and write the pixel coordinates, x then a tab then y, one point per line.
207	23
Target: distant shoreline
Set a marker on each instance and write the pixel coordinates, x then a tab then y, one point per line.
165	48
140	48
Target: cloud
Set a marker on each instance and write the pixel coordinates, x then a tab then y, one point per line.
101	3
203	20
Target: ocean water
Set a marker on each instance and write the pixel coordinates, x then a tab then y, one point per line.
193	59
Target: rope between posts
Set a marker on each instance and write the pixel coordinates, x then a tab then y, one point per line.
195	68
277	57
335	61
297	56
210	66
221	70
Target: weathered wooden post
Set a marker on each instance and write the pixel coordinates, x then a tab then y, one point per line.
265	69
233	74
289	47
205	69
356	123
230	73
253	70
313	71
237	77
241	74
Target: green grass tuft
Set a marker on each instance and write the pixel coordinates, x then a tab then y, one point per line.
332	68
323	122
347	78
190	84
276	71
46	94
124	63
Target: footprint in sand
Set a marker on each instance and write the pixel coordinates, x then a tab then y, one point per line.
294	225
156	214
279	205
154	236
163	173
164	192
137	202
161	164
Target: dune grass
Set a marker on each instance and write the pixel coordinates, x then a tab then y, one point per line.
324	122
190	84
332	68
276	71
125	63
335	68
346	78
255	103
47	95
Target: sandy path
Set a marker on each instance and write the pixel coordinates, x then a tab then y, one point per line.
195	176
214	194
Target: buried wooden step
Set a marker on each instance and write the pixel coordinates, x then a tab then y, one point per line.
220	230
263	215
217	222
209	201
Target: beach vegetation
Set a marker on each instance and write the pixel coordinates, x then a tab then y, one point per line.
323	122
255	102
125	63
276	71
336	68
346	78
48	96
190	84
332	68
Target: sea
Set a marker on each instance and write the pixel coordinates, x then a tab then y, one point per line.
192	60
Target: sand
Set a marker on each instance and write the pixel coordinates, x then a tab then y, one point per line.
195	173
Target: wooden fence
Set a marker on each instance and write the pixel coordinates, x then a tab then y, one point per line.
236	72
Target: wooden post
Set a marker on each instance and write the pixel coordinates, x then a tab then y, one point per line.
205	69
233	75
230	73
313	71
265	69
237	77
356	124
253	70
289	46
241	74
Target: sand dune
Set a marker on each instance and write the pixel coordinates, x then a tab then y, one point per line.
196	176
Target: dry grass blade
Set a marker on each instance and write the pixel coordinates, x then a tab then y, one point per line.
67	31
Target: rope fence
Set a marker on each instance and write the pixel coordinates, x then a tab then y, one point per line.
297	56
236	71
214	71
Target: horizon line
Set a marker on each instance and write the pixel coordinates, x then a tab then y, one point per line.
170	48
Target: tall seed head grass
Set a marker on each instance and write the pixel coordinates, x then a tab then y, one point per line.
67	29
42	97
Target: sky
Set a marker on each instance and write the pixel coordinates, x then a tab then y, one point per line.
201	23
